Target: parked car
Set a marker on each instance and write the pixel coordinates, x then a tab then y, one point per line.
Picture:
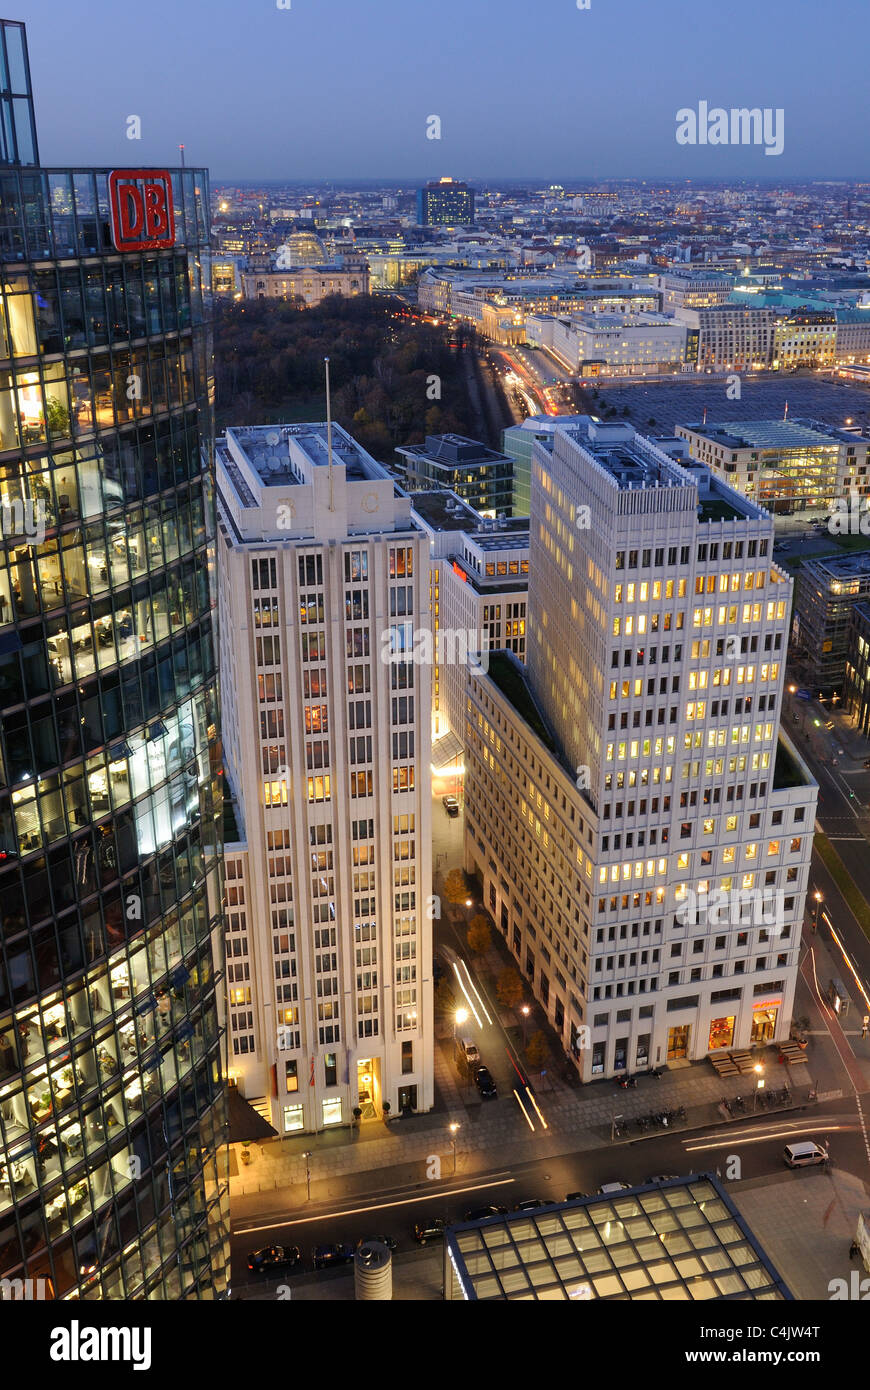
429	1230
662	1177
532	1204
577	1197
389	1241
481	1213
606	1188
468	1048
484	1082
336	1253
274	1257
451	805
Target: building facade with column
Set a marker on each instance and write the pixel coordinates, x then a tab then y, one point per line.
112	1110
324	595
636	768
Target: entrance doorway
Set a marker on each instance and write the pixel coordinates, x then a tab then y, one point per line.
407	1099
368	1087
678	1042
764	1025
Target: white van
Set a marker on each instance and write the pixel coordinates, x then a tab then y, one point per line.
803	1155
469	1050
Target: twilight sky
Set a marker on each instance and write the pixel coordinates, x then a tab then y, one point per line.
341	89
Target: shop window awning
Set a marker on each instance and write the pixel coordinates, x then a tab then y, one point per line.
245	1124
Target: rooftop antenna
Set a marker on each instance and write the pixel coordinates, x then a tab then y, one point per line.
704	421
329	433
785	412
181	151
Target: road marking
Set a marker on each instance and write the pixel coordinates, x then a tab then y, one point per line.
377	1206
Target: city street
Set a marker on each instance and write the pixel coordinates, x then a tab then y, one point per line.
393	1209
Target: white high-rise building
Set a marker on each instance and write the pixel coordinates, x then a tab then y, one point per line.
323	581
642	828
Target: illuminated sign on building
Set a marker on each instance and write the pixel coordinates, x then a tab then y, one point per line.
143	218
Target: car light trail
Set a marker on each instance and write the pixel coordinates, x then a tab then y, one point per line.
529	1121
468	998
766	1137
476	991
377	1206
850	967
537	1109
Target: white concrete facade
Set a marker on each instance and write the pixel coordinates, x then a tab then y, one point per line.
323	579
656	656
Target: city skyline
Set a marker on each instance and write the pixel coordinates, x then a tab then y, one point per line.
569	111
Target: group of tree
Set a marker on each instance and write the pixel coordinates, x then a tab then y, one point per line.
394	378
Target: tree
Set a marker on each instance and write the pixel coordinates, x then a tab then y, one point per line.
445	999
651	420
455	886
510	988
537	1051
479	935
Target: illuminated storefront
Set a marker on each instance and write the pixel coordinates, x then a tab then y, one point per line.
764	1015
111	1077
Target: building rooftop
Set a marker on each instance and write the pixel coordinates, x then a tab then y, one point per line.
281	455
454	450
444	511
854	564
680	1240
772	434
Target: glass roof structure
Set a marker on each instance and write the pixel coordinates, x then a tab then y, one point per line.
678	1240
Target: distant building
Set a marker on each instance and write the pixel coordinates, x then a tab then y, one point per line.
784	465
482	477
693	289
826	591
619	344
311	284
852	339
805	339
519	442
731	337
446	203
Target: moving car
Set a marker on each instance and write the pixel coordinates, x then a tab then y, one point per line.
430	1229
389	1241
335	1253
484	1082
274	1257
606	1188
804	1154
451	805
481	1213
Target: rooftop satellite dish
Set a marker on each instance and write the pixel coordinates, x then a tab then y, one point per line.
273	438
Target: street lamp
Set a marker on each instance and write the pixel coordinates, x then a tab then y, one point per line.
759	1084
454	1130
307	1155
818	900
460	1017
469	902
525	1011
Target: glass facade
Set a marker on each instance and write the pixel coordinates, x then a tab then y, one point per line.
112	1119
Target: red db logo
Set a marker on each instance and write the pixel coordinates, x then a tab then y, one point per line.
142	213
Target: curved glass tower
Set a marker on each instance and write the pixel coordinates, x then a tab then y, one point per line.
111	1078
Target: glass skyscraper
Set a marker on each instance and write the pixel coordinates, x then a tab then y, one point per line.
112	1120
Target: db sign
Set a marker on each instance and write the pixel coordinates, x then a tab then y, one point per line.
142	214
